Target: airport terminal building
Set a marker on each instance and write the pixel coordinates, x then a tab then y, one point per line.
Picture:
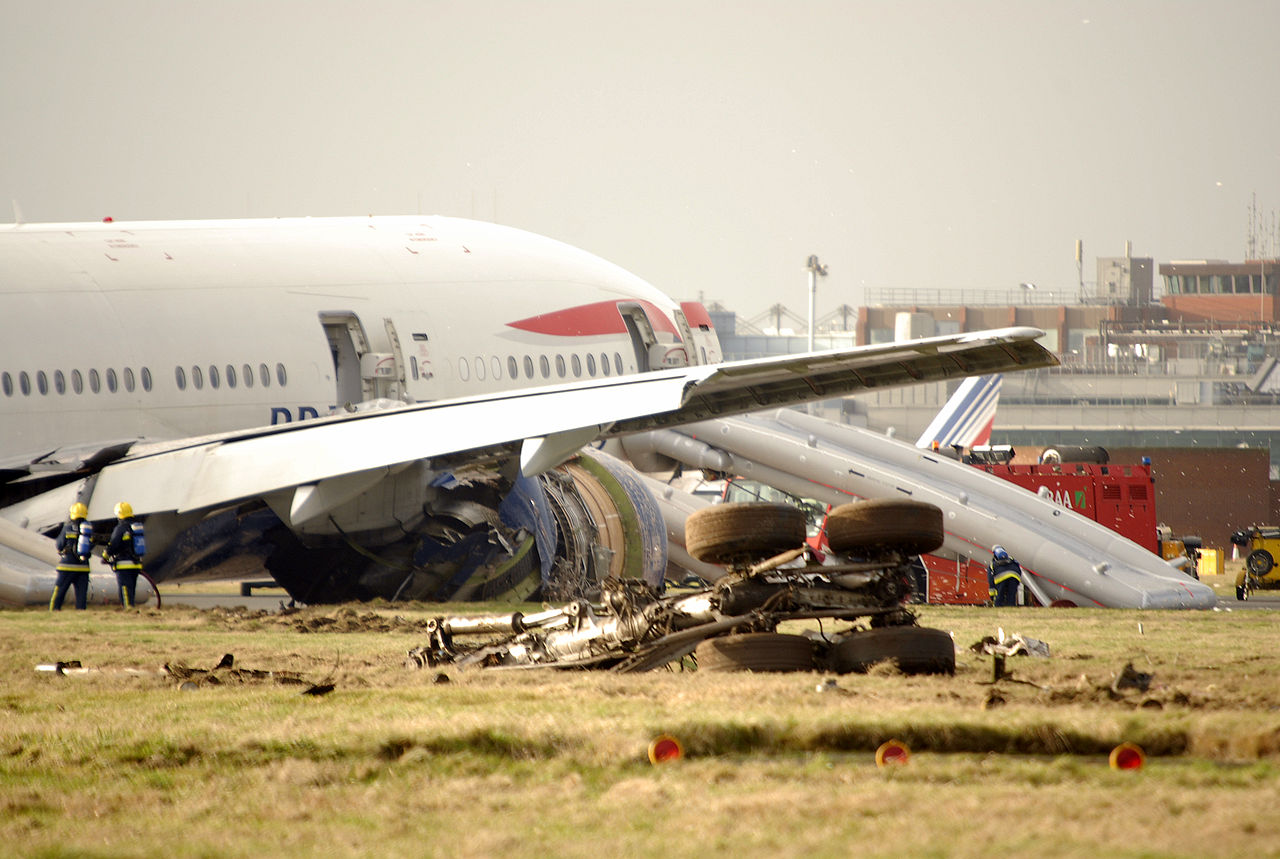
1181	366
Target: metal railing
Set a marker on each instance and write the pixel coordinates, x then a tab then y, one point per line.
962	297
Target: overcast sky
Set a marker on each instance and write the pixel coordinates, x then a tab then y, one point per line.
709	147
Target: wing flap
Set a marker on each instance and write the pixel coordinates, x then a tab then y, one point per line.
743	387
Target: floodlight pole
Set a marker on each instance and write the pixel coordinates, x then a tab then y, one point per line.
816	270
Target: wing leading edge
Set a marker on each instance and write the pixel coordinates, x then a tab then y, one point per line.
551	423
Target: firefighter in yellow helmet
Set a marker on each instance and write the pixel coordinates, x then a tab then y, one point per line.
73	545
124	552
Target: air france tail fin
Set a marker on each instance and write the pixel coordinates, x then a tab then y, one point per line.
967	417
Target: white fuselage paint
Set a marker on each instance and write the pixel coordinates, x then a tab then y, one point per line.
197	307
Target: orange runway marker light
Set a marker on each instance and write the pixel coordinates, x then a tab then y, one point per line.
892	752
665	749
1128	756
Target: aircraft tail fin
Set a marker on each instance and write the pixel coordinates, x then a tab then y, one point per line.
968	416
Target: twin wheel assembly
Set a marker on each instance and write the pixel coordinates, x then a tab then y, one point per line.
874	542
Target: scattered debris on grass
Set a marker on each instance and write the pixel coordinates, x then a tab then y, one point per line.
71	665
75	667
226	672
1129	678
1014	645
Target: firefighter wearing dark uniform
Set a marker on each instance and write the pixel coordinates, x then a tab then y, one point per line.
74	544
124	552
1004	576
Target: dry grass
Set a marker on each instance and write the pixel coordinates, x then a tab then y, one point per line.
120	762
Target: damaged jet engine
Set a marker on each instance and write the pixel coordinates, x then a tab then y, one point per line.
469	534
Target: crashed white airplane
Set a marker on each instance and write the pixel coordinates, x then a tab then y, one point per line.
369	407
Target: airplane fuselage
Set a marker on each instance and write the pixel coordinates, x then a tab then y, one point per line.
169	330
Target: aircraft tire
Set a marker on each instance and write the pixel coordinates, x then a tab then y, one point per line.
755	651
727	533
916	650
866	527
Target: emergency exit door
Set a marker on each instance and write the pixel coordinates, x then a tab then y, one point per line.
347	344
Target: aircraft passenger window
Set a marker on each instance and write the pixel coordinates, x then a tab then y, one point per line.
231	376
528	367
7	381
180	376
604	363
24	382
591	365
129	381
495	363
112	382
77	382
479	369
197	378
545	366
281	377
248	376
576	363
617	362
464	369
560	366
59	382
42	382
513	369
146	378
265	375
95	381
214	379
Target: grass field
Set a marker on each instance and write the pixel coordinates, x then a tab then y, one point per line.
121	760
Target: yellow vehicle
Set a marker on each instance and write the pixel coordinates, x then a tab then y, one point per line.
1182	552
1262	542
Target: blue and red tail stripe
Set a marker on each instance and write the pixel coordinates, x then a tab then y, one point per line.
968	416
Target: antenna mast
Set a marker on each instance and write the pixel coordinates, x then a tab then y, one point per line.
1253	228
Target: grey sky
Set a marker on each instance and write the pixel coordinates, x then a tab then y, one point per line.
705	146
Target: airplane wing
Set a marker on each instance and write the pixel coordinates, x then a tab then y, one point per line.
327	460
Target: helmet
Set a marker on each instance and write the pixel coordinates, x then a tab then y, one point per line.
124	510
78	511
999	553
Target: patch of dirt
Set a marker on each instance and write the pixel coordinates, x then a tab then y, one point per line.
225	673
343	619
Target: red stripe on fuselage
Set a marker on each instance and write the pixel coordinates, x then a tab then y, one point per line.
587	320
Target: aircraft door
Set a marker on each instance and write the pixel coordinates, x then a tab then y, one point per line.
686	336
348	345
360	372
699	333
387	373
641	330
412	339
